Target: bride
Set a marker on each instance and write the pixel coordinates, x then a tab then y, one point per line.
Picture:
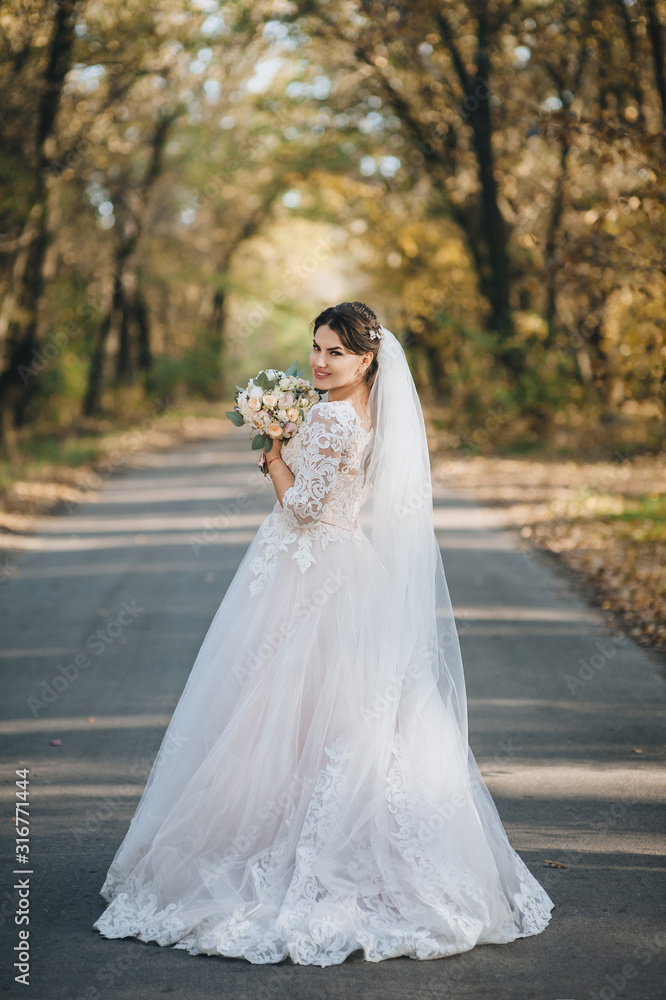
315	793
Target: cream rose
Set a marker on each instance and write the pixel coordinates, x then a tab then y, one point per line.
292	413
254	402
274	430
286	399
270	399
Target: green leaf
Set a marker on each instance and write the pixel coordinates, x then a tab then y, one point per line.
241	388
258	442
291	370
235	417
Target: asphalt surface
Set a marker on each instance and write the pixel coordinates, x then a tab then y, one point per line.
128	583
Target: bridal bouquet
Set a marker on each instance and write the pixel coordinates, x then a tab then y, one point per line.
274	404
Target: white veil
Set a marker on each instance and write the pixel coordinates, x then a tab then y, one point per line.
421	661
420	628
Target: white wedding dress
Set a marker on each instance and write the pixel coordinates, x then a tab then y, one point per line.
305	802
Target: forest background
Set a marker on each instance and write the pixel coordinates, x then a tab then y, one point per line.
184	185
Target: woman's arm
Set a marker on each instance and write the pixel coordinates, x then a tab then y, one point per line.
280	473
324	437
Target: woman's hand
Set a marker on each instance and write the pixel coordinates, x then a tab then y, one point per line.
275	449
267	456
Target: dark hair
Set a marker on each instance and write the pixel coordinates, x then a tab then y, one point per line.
353	322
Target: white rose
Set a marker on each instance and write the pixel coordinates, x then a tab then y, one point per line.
256	392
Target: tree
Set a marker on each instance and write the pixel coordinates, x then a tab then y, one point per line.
19	316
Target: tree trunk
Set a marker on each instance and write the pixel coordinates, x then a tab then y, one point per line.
122	306
216	324
22	312
655	34
124	368
142	318
93	398
476	108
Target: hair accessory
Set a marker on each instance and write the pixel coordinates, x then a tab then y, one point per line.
374	334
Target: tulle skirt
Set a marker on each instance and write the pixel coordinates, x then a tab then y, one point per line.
302	805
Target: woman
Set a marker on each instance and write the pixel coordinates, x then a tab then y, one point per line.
315	793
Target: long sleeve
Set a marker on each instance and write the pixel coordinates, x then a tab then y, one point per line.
323	439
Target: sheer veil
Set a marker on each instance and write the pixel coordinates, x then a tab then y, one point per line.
421	666
420	636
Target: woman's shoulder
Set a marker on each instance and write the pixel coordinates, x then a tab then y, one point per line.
340	410
332	416
343	412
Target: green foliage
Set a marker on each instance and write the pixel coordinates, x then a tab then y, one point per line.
514	241
195	374
235	417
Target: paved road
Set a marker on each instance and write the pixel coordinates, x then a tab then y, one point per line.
128	583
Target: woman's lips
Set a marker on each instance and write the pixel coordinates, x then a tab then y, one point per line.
321	374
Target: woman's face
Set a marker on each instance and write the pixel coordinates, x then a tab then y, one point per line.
334	365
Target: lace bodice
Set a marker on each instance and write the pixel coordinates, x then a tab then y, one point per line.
327	457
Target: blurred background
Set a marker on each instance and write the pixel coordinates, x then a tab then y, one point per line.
185	185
